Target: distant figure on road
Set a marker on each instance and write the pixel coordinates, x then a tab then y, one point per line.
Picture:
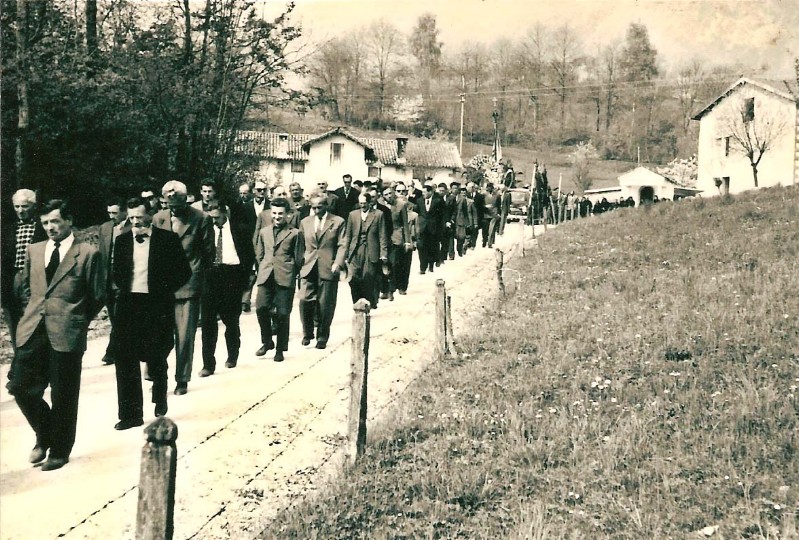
63	281
322	237
277	253
149	267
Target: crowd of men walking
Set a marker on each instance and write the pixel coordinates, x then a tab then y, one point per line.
166	265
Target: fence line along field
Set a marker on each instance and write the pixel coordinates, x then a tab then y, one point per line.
640	383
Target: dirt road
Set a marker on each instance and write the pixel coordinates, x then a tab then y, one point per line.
251	439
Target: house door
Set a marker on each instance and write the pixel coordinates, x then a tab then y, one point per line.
646	195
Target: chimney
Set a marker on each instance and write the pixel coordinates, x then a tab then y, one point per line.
283	146
402	142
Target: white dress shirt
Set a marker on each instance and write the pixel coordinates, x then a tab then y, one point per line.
259	207
66	243
319	223
141	262
229	255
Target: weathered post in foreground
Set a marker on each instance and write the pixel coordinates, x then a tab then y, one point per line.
442	341
500	265
448	327
521	238
156	513
359	369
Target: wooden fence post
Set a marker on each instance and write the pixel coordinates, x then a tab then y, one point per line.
441	319
450	333
156	512
500	265
359	369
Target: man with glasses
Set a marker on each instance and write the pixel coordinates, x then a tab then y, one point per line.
153	200
322	237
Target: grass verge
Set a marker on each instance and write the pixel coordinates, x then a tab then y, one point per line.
641	383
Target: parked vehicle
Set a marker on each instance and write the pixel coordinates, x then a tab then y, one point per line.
519	204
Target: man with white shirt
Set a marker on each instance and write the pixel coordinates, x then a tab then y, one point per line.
62	282
322	237
226	279
149	266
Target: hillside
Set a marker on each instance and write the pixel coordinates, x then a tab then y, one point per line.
640	383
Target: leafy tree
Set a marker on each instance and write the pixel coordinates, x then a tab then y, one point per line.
682	170
581	159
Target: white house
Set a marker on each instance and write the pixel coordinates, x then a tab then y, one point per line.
643	185
306	158
750	114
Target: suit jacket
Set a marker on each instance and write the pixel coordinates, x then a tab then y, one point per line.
465	218
245	215
105	245
69	303
168	269
264	219
197	238
376	237
9	255
347	203
479	204
299	211
280	256
400	229
324	249
334	205
430	223
491	205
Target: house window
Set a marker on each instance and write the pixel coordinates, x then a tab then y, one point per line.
298	166
335	152
726	146
374	172
749	110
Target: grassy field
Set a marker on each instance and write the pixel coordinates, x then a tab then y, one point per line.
641	383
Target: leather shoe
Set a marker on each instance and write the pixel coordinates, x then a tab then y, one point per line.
391	297
181	388
108	360
265	347
161	409
127	424
279	356
402	292
231	363
321	344
306	341
205	372
54	463
422	272
383	296
37	454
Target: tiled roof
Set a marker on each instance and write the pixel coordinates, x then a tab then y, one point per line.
418	152
783	88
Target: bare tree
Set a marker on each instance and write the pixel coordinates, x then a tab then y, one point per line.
752	132
610	76
384	43
563	66
535	52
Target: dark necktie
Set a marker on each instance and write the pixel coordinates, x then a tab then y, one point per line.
52	266
219	247
140	237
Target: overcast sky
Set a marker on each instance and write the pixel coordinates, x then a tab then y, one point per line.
752	32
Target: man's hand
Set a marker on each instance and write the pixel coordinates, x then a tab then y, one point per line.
408	247
334	269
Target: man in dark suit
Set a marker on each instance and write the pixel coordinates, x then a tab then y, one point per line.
322	238
278	255
429	223
227	277
195	230
149	265
399	246
109	231
488	225
479	206
245	208
299	207
367	248
347	195
63	281
447	235
25	230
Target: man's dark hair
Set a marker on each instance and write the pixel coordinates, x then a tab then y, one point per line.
210	183
115	201
366	195
442	185
214	205
454	184
135	202
280	202
347	176
56	204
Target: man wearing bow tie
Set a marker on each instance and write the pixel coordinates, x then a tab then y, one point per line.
149	266
194	228
322	237
62	281
278	254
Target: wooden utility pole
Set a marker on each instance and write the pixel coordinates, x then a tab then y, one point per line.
359	370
